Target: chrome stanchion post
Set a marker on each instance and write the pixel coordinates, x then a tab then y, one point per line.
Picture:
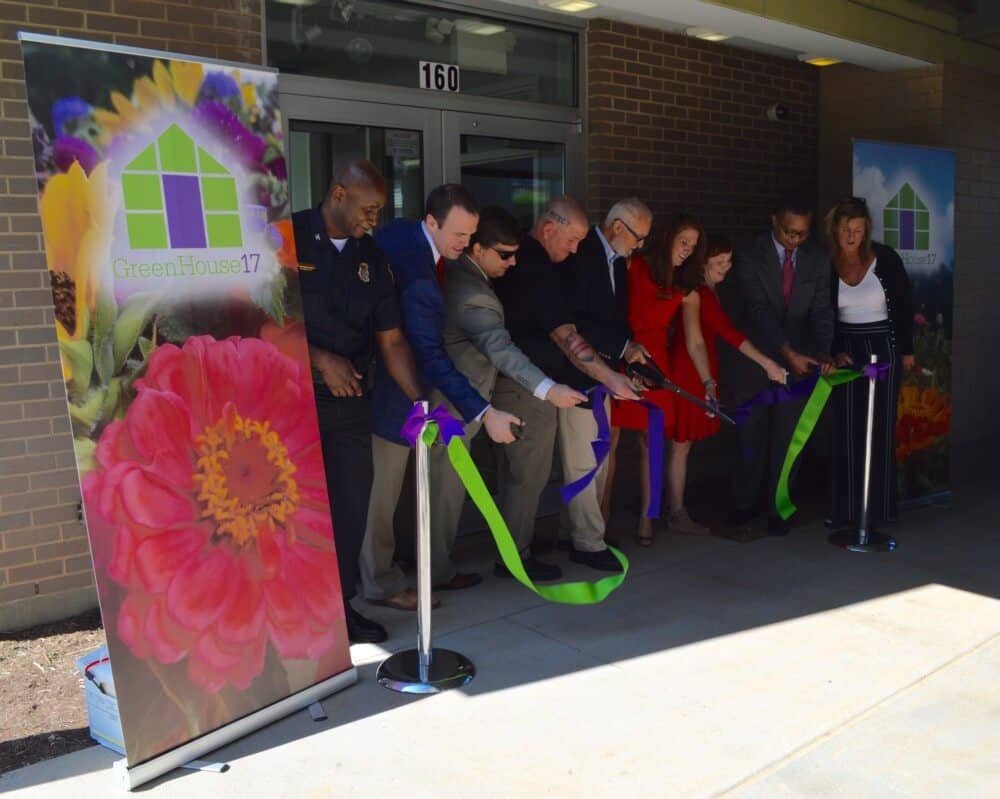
424	670
866	540
423	510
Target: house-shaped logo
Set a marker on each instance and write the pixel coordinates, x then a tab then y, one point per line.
906	221
178	196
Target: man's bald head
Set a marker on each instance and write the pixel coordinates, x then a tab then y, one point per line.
356	196
358	172
561	227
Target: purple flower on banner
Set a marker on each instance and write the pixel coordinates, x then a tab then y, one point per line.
66	110
276	166
228	127
218	86
67	149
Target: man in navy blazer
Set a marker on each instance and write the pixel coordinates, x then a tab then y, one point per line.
417	252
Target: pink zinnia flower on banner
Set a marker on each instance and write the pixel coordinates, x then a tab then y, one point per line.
213	493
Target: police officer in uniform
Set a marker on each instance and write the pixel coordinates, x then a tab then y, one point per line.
350	306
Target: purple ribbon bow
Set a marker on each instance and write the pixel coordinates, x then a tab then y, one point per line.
448	425
876	371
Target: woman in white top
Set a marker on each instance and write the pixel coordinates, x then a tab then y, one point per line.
873	304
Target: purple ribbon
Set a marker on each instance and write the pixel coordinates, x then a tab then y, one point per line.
448	425
654	443
876	371
772	396
601	445
802	388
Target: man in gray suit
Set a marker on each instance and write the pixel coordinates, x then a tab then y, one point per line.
479	345
785	281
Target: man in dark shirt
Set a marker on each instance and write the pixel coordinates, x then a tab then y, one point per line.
542	326
350	306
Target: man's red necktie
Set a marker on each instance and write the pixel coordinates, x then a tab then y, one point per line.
787	276
440	270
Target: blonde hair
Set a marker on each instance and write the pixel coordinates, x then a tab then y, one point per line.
851	208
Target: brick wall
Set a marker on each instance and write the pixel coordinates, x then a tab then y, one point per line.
45	569
681	123
971	120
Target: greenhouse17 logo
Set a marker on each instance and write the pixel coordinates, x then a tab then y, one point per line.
906	221
178	196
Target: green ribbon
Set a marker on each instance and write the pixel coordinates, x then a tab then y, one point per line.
804	429
575	593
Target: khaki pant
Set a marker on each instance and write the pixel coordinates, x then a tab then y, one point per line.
447	499
525	465
380	575
576	430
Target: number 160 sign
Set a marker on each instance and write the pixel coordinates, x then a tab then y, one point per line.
440	77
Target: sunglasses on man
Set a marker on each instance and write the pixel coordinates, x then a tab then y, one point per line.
505	255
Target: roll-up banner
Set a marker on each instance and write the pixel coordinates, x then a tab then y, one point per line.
910	192
163	196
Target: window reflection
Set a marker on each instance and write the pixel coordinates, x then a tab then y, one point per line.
374	41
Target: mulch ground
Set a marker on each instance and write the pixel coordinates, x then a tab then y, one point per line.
42	712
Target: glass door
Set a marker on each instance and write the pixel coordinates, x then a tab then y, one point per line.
403	143
518	164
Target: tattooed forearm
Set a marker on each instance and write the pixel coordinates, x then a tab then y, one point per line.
577	347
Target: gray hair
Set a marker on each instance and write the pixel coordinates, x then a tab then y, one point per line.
631	208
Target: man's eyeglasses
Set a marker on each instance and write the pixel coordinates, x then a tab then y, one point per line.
792	233
638	239
505	255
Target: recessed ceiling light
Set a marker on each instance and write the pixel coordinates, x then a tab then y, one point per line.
818	60
479	27
707	35
569	6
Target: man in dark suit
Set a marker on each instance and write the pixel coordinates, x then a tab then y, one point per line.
784	278
542	325
595	282
417	251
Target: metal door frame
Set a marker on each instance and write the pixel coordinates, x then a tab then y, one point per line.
455	124
441	117
310	108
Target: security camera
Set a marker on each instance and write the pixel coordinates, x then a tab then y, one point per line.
777	112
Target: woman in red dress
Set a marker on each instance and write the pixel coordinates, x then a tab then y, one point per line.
694	366
653	300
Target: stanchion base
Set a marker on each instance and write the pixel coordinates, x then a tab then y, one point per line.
848	539
401	672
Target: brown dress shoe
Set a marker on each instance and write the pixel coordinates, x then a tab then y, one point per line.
460	581
404	600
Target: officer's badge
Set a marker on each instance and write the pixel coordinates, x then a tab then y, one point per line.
364	275
304	267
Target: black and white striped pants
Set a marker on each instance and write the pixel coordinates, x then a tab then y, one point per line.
850	401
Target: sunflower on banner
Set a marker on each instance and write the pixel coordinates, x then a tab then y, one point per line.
164	205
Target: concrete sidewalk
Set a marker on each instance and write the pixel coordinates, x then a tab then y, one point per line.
779	668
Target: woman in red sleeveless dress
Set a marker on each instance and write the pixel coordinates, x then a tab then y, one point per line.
653	300
694	366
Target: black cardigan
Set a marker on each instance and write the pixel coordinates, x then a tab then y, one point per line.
891	274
